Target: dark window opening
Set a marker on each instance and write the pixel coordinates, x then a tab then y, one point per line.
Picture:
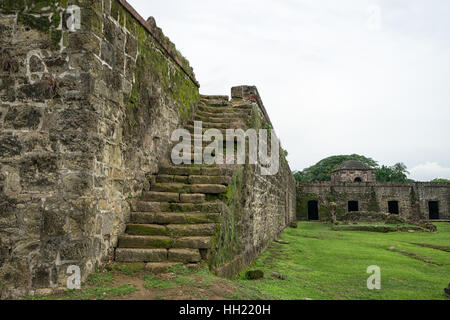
393	207
358	179
433	208
313	210
353	206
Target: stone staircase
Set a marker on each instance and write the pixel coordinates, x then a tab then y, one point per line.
176	220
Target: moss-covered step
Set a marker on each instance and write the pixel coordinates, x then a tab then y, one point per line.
147	230
210	121
173	217
166	178
146	206
195	170
189	188
215	111
225	180
172	230
186	230
222	114
224	124
145	242
193	242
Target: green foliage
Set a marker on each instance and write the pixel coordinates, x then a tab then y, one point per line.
396	173
321	171
440	180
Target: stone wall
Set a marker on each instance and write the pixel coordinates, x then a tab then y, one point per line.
84	116
412	198
259	206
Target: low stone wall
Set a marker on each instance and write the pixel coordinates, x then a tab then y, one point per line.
259	206
412	198
85	114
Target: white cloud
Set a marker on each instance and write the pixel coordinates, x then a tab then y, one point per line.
429	171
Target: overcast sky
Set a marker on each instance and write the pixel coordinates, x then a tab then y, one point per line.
337	77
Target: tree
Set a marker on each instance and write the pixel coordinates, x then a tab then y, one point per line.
321	171
440	180
396	173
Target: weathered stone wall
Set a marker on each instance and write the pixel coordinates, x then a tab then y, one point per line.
412	198
259	207
84	116
351	175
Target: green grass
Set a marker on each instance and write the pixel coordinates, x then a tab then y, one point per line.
320	263
153	283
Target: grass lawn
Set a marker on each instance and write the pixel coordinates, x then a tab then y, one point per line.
319	263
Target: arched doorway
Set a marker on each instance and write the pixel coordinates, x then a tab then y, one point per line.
358	179
313	210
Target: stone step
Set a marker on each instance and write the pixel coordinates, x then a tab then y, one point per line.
184	255
241	114
196	170
173	197
204	179
160	196
224	110
224	131
174	217
163	242
195	144
189	188
140	255
164	178
157	255
145	242
172	230
219	125
210	121
156	207
214	97
159	267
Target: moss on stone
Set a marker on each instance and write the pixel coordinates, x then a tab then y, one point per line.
373	203
154	68
225	243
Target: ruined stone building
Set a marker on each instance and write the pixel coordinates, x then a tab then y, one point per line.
90	94
353	189
353	171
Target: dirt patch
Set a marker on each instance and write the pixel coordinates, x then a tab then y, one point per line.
414	256
432	246
310	237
